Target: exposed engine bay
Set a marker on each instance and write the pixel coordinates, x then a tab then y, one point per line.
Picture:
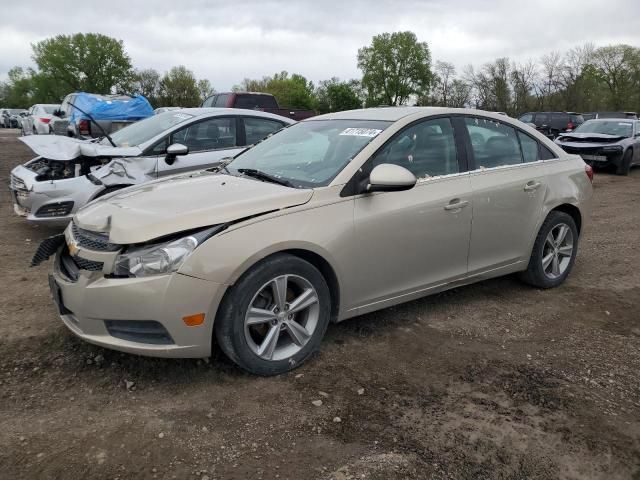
47	169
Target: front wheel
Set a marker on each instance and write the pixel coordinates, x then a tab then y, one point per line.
554	252
275	316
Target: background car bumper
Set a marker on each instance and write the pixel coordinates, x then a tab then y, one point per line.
139	315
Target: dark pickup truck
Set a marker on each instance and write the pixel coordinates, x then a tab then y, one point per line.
264	102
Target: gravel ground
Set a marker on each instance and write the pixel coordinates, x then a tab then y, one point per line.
492	381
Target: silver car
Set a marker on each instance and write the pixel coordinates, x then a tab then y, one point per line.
613	142
336	216
69	172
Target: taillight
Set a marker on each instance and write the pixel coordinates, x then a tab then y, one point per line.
83	127
569	126
45	120
588	169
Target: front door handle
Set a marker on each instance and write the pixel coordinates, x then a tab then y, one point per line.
532	186
456	204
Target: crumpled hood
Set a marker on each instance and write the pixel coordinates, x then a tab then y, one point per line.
592	137
183	202
58	147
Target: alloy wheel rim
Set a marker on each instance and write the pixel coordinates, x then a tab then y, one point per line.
557	251
282	317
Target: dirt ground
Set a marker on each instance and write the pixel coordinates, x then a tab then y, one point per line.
491	381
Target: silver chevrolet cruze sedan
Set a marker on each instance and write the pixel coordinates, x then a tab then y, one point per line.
333	217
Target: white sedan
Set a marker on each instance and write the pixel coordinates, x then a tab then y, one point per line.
37	122
69	172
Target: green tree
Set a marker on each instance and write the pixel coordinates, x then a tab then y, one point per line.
89	62
290	91
19	88
178	88
334	95
205	89
615	66
147	82
395	67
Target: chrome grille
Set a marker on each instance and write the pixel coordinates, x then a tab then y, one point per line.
93	240
84	264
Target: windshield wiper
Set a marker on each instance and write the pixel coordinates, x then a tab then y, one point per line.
95	123
252	172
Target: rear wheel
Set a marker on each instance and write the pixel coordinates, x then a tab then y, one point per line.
275	316
554	252
625	164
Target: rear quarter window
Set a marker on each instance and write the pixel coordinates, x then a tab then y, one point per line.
541	119
252	102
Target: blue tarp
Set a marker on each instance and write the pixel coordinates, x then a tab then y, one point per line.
104	108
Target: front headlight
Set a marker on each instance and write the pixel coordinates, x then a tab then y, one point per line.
612	148
161	258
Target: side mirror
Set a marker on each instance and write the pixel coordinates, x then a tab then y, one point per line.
388	177
174	150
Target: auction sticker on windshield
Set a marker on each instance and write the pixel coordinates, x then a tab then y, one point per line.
361	132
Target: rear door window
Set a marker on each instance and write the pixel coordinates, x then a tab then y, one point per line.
221	100
560	120
541	119
255	102
258	128
526	118
209	101
210	134
494	144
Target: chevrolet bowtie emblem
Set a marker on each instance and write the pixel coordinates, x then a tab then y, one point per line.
73	248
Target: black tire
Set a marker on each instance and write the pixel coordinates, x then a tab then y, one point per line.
625	164
35	130
535	274
230	319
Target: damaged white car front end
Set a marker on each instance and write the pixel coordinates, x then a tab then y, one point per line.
69	173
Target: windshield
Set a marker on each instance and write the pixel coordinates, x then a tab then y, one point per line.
609	127
311	153
50	108
144	130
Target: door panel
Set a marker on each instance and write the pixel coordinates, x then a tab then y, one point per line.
509	188
507	204
407	241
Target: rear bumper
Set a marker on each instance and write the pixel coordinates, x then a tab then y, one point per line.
91	306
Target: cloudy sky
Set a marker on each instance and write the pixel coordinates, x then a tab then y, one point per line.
226	41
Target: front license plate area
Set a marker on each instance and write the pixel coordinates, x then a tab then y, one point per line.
594	158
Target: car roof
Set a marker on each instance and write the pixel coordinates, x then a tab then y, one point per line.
213	112
393	114
390	114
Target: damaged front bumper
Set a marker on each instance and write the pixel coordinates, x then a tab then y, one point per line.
596	155
142	316
49	202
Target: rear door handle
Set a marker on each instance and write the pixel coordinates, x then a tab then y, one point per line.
456	204
532	186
